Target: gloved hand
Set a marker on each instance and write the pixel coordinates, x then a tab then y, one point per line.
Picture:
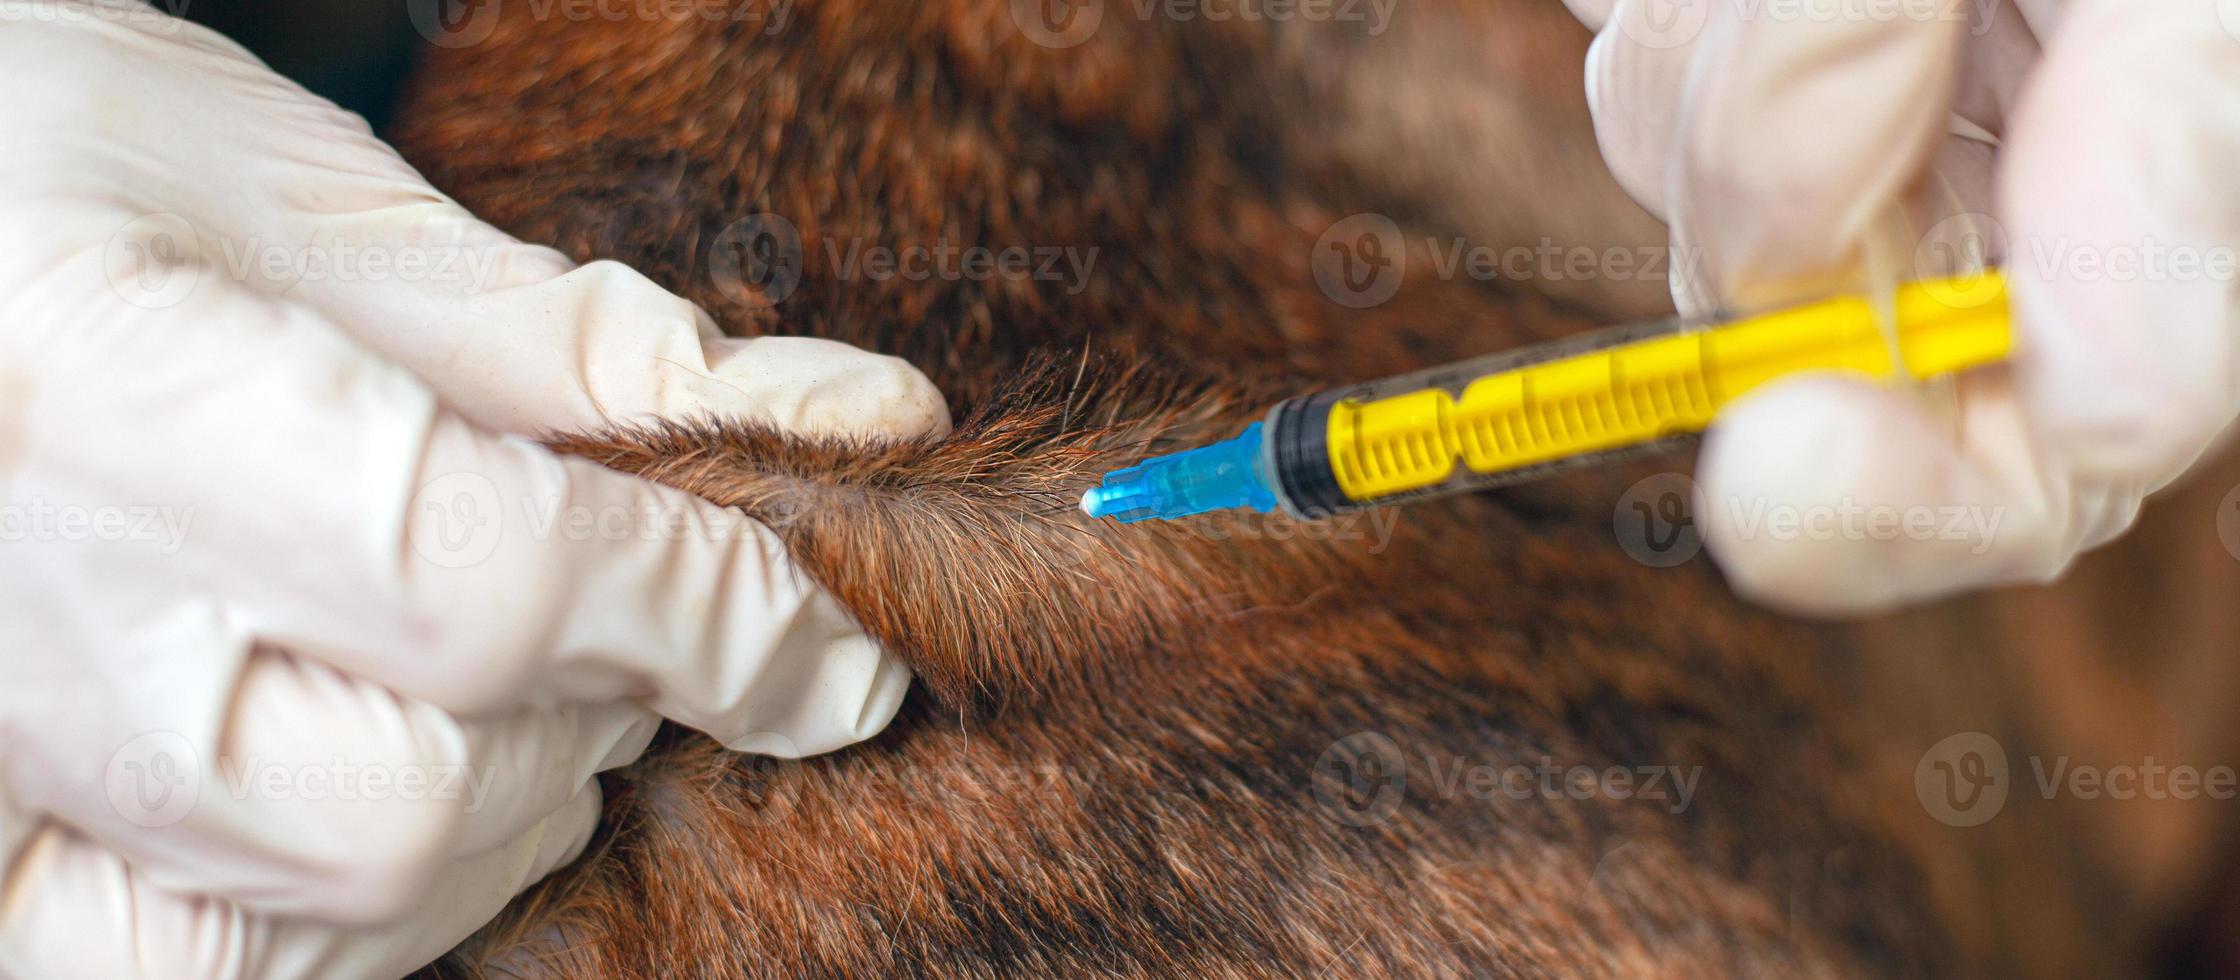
1801	150
307	654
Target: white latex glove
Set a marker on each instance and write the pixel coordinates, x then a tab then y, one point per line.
307	654
1780	141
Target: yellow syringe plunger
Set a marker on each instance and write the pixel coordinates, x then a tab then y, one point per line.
1513	416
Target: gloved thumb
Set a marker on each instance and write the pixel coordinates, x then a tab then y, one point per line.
1830	495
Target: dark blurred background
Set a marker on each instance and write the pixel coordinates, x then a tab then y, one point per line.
355	53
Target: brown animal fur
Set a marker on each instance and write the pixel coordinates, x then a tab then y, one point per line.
1131	747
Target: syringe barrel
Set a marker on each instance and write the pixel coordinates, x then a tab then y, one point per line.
1297	451
1516	416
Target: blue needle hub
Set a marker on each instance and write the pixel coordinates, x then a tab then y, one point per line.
1226	474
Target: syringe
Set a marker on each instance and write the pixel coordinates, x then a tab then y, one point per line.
1515	416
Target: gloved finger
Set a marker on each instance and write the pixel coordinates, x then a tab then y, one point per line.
299	199
2123	214
326	797
1803	510
1639	78
346	516
71	909
1797	135
1635	74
